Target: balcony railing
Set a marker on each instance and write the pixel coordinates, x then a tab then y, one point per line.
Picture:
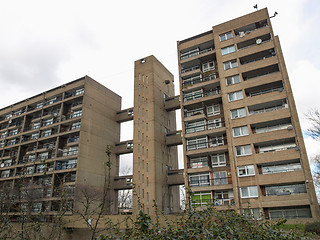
206	144
268	109
265	91
198	79
203	127
190	69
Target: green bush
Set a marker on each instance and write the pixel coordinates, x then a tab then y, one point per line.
206	223
313	227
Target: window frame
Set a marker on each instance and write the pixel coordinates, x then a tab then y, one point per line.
230	64
225	36
227	50
246	169
221	180
243	150
250	192
243	131
234	79
220	163
237	96
238	112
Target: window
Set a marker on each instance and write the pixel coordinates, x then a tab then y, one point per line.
233	79
254	213
197	143
235	96
29	170
213	110
214	123
39	105
199	179
47	122
273	128
240	131
199	162
280	147
218	160
249	192
79	91
238	113
43	156
285	190
225	36
46	133
230	64
36	207
220	178
201	199
223	198
51	101
7	163
36	125
189	54
208	66
34	135
76	125
294	212
5	174
243	150
192	95
77	114
246	171
227	50
195	126
281	168
216	141
41	168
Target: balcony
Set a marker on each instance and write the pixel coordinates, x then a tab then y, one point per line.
188	82
242	31
173	138
197	94
190	69
73	93
267	107
125	115
193	51
260	72
122	182
254	41
276	145
203	125
172	103
175	177
202	143
124	147
257	56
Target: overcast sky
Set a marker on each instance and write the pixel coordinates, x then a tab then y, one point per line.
44	44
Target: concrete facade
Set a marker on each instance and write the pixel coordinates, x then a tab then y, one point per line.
243	145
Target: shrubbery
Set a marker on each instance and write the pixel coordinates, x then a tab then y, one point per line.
313	227
207	223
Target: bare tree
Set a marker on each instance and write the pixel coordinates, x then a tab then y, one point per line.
125	196
92	201
314	118
314	131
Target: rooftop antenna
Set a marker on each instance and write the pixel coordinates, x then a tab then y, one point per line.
256	6
275	14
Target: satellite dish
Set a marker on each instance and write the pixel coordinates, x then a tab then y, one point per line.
259	41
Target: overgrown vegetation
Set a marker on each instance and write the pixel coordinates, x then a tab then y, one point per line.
207	223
